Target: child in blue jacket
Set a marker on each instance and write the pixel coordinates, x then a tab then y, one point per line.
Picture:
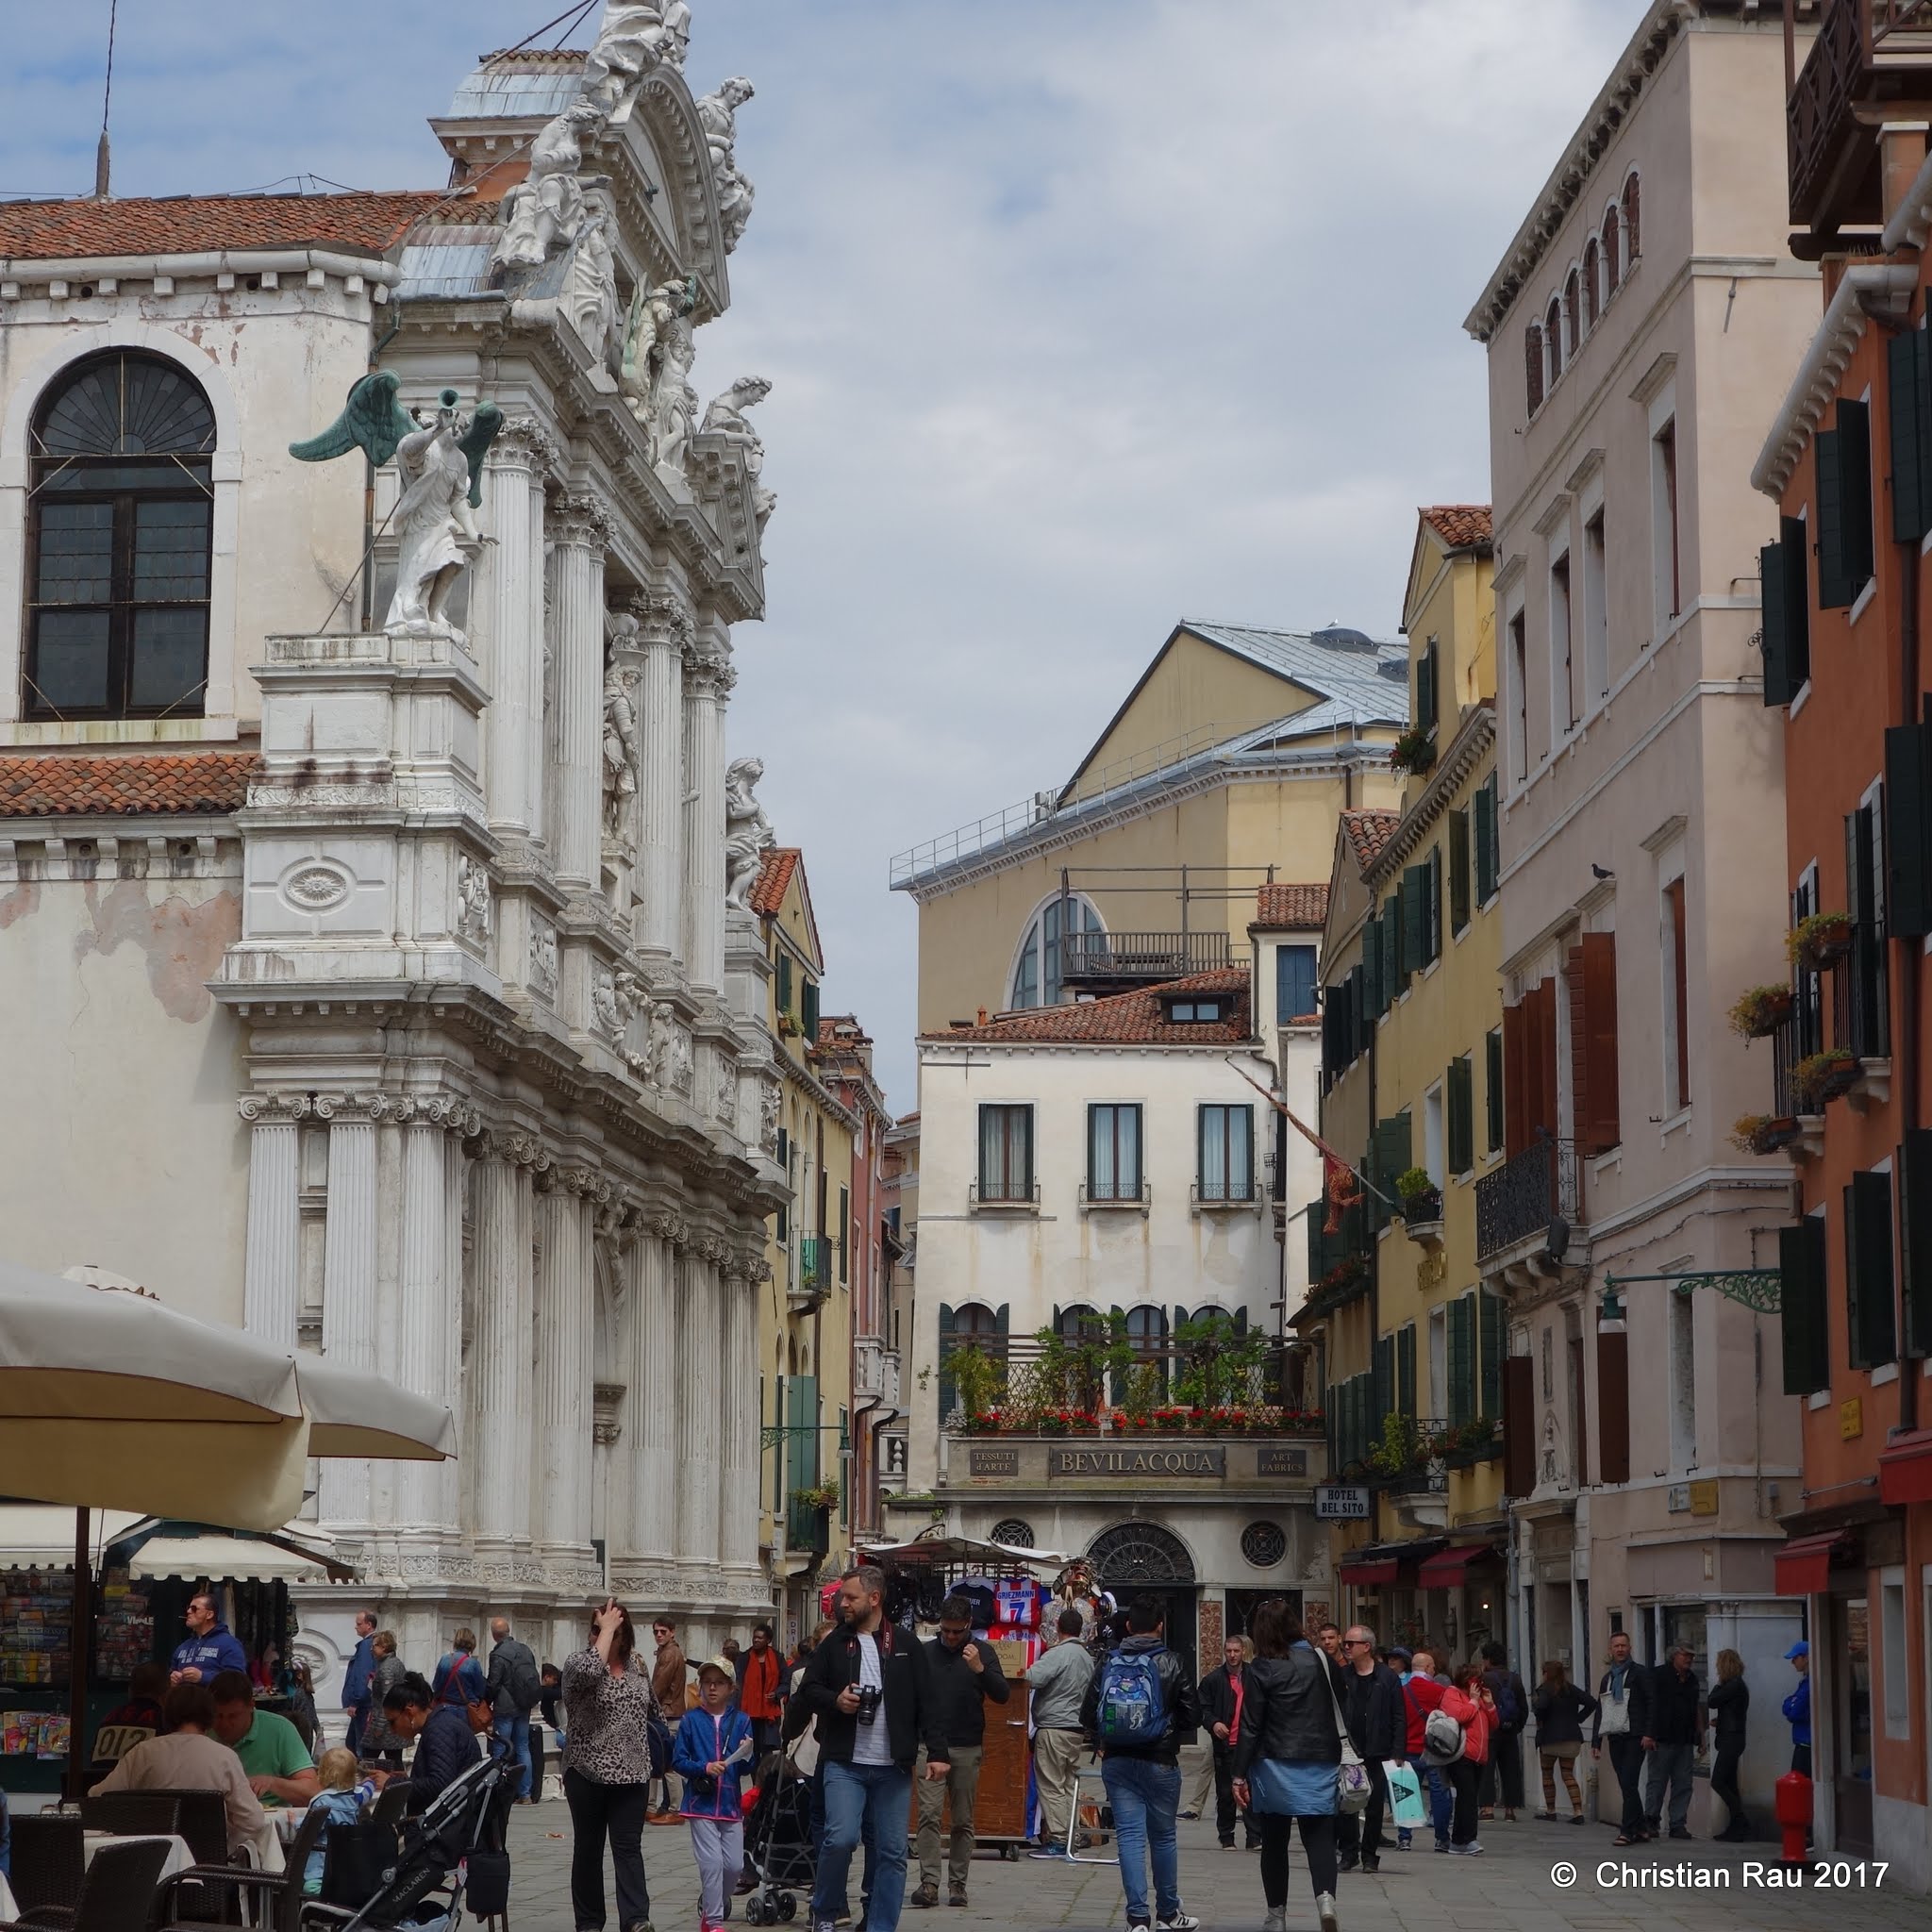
713	1742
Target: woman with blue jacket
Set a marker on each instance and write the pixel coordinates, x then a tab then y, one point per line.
712	1745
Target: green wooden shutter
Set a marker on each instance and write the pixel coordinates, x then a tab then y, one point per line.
1910	424
1908	830
1775	623
1385	1378
1484	807
1855	492
784	982
1461	1098
1494	1315
800	1433
948	1394
1493	1090
1405	1369
1461	1323
1432	915
1834	588
844	1232
1389	1155
1415	904
1318	1250
1869	1317
1459	870
808	1008
1374	1003
1801	1307
1915	1238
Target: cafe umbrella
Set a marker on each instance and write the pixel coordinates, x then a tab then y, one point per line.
108	1399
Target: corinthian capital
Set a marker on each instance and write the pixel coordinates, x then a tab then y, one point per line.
707	671
583	521
523	442
662	617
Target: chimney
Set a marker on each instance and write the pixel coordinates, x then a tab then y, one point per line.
1901	155
103	161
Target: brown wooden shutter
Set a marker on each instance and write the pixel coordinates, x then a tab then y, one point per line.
1577	1046
1515	1058
1540	1070
1519	1426
1592	973
1612	1405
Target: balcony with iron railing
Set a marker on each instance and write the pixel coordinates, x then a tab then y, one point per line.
1103	962
1533	1201
811	1281
1870	63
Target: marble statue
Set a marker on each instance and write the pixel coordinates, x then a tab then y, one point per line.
718	118
473	898
658	350
604	1006
724	416
620	747
441	465
770	1099
633	37
589	283
747	830
543	958
675	416
671	1057
543	212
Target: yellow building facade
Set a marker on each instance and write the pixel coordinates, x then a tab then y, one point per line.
1412	1053
805	1316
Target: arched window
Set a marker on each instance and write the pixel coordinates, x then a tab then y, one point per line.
1036	980
1552	336
1633	226
1592	290
1613	267
117	541
1533	365
1572	312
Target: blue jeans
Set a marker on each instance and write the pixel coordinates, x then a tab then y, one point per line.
1146	1800
872	1802
515	1732
1441	1796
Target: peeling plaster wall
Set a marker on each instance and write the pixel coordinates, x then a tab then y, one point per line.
120	1143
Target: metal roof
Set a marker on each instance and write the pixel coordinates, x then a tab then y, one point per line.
507	90
443	270
1342	666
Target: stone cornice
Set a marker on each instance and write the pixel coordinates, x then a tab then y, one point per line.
1472	740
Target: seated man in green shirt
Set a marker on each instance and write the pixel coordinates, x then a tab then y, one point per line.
279	1769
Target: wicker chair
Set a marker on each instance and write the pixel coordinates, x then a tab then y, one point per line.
203	1821
131	1814
49	1859
279	1896
116	1895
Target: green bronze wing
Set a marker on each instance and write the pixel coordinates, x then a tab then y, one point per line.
482	433
371	420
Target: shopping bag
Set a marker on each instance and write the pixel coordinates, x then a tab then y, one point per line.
1406	1805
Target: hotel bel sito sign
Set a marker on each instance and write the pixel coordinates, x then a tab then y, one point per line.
1142	1459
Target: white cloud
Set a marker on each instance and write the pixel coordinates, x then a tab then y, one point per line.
1083	316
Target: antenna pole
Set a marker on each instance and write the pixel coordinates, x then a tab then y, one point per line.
103	155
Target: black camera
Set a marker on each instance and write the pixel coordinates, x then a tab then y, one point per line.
870	1696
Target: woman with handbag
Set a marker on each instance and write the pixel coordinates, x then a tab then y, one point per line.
1292	1756
1472	1704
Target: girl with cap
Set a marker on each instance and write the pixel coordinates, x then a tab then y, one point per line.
713	1741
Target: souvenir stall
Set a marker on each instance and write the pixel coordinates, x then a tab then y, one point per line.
1012	1605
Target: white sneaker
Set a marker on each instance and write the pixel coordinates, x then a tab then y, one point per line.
1275	1920
1325	1910
1183	1920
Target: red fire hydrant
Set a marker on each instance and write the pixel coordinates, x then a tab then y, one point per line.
1795	1814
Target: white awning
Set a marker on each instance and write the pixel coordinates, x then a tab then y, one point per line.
40	1536
246	1559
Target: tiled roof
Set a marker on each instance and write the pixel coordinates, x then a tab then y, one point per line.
1292	906
775	875
66	785
1461	526
370	225
1369	831
1125	1019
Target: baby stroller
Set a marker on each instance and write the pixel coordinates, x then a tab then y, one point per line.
778	1846
450	1854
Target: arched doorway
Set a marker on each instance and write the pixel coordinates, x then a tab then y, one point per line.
1135	1560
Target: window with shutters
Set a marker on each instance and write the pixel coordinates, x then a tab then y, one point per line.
1462	1360
1862	981
1596	617
1226	1138
1114	1153
1519	697
844	1233
1432	907
1841	457
1493	1319
1784	576
1612	241
1572	310
119	541
1807	1012
1533	366
1428	691
1487	857
1592	973
1562	652
1804	1323
1915	1239
1593	282
1385	1377
1006	1153
1294	983
1666	553
1553	340
1405	1370
1908	830
1612	1402
1870	1317
1459	870
1492	1091
808	1010
1461	1088
1674	936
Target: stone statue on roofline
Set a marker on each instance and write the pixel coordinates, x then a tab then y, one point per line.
659	347
718	118
633	37
590	282
748	834
724	416
543	212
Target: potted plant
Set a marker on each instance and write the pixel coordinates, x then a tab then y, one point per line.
1819	938
1414	752
820	1496
976	1376
1822	1076
1763	1133
1761	1010
1422	1199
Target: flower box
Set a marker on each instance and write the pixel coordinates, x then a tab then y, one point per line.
1763	1133
1819	939
1823	1076
1761	1010
1414	752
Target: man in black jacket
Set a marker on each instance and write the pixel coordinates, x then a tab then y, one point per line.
964	1677
1377	1724
869	1687
1672	1730
1220	1695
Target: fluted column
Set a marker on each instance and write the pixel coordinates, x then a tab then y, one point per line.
580	528
664	628
500	1350
654	1395
740	1517
272	1287
429	1309
348	1279
707	680
513	753
565	1361
700	1469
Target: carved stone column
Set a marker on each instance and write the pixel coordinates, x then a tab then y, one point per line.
498	1449
512	626
580	526
566	1341
656	1396
664	629
272	1287
431	1308
700	1461
741	1515
707	681
348	1278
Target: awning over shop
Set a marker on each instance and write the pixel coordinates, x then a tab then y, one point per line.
1803	1567
249	1559
1904	1470
1366	1569
1449	1569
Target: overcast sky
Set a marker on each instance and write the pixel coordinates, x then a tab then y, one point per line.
1083	315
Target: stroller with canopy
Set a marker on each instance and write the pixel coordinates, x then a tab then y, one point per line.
777	1841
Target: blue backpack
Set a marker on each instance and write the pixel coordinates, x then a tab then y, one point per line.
1132	1704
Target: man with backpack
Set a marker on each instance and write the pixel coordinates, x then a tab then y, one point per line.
1138	1711
514	1688
1505	1743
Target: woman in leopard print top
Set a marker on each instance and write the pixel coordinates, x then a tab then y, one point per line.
607	1764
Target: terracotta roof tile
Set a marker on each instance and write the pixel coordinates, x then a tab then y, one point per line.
370	225
1461	526
1369	831
68	785
1125	1019
775	875
1294	907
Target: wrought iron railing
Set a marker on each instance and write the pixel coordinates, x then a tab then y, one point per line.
1415	1463
1145	956
1519	1200
1860	1014
814	1264
807	1527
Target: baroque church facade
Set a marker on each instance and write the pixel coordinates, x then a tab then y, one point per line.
371	885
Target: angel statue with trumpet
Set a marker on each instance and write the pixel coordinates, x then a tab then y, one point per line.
441	465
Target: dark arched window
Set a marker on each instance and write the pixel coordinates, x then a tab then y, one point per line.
117	541
1613	263
1553	337
1533	365
1633	226
1572	312
1592	290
